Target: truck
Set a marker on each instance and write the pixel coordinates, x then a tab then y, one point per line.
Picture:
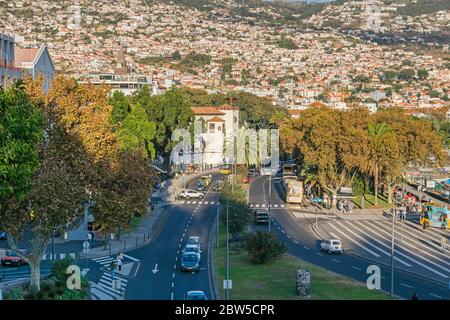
435	216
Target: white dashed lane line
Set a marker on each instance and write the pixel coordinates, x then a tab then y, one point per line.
319	254
359	269
305	247
436	296
335	260
405	285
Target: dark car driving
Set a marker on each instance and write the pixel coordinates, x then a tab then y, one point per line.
190	262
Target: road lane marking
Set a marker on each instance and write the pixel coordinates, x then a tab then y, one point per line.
282	231
257	205
173	284
374	246
173	275
182	202
435	295
405	285
131	258
295	241
174	266
282	205
288	236
212	202
354	241
320	254
359	269
62	256
335	260
206	202
306	247
188	202
171	295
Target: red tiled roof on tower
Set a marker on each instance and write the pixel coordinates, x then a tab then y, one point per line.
207	111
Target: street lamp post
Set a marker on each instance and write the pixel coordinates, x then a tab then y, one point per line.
392	252
227	290
217	218
53	244
270	201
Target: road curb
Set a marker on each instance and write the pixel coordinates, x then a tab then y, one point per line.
212	261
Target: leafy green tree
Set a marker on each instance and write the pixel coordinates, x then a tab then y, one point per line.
138	132
422	74
263	246
406	74
120	107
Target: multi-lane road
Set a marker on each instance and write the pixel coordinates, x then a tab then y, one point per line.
153	271
419	266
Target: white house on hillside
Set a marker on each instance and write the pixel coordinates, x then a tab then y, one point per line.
36	62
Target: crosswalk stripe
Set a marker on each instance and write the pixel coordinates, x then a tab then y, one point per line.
98	294
282	206
212	202
182	202
276	206
130	257
108	287
188	202
72	255
108	276
354	241
194	202
101	258
251	205
420	263
200	202
257	206
374	246
420	244
62	256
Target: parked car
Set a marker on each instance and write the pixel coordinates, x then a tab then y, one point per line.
188	194
3	235
190	262
193	248
201	186
331	246
246	179
12	259
195	295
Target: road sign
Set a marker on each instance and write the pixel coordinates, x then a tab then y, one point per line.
227	284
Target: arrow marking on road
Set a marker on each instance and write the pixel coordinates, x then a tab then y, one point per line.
155	269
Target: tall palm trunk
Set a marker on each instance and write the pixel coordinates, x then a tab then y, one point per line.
375	182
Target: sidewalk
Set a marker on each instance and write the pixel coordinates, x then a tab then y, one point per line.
144	233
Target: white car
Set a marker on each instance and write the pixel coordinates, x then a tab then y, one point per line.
331	246
192	248
194	240
188	194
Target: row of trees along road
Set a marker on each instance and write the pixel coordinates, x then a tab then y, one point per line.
334	147
59	151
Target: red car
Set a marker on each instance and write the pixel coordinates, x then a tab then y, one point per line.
246	179
12	259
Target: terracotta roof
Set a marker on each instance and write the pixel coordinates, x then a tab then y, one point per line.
216	119
317	104
228	107
25	55
293	112
210	111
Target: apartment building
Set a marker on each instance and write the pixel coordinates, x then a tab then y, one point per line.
8	70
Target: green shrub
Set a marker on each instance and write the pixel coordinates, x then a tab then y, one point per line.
73	295
263	246
59	268
14	294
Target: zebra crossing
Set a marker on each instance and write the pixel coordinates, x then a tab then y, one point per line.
105	261
58	256
264	205
195	202
416	250
109	288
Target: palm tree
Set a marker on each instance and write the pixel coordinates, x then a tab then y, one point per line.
377	132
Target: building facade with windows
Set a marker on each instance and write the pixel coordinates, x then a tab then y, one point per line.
8	70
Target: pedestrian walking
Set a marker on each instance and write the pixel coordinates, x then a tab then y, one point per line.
112	266
443	244
119	261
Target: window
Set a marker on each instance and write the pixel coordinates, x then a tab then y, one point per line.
235	119
219	128
212	127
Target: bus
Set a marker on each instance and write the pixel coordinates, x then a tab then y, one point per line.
225	169
435	216
293	190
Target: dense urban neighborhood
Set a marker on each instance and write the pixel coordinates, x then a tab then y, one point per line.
224	150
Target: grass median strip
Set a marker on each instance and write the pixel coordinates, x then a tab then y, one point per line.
276	280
